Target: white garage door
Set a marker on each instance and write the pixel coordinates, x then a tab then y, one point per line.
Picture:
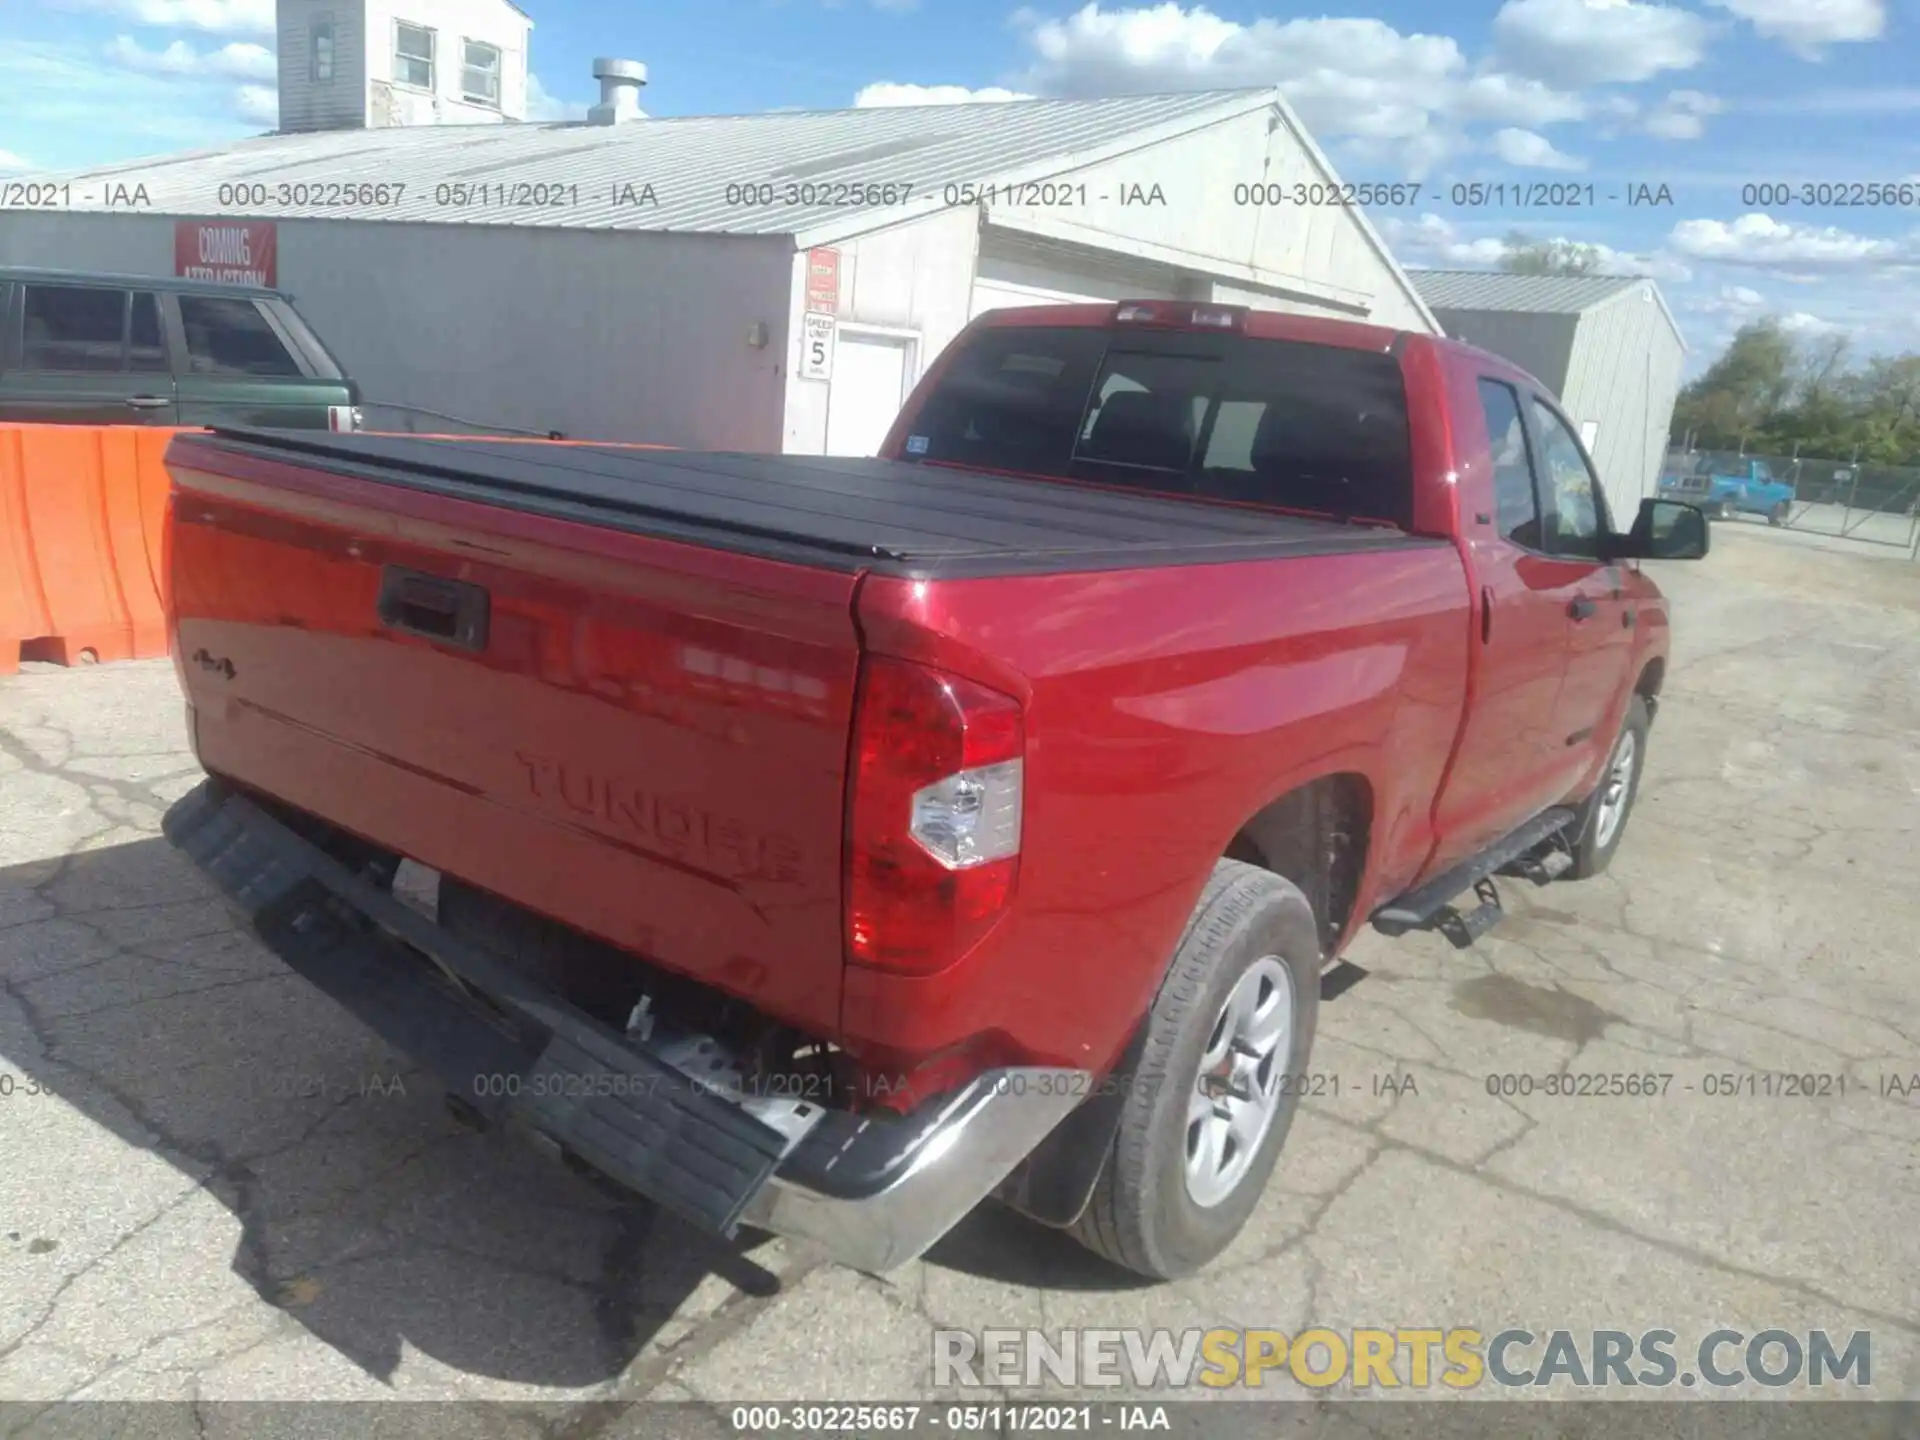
869	382
996	294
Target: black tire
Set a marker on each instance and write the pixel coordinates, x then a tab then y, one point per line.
1592	855
1142	1215
1780	514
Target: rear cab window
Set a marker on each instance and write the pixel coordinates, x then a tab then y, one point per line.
1279	423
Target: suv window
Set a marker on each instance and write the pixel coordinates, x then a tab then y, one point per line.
1270	422
146	346
1515	497
73	327
1575	508
231	337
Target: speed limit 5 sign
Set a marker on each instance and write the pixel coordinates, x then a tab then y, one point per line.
816	347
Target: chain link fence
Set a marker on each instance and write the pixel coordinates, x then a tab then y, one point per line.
1874	504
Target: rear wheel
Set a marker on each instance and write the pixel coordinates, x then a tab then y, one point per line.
1780	513
1213	1098
1603	816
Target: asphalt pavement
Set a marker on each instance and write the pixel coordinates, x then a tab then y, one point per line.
214	1185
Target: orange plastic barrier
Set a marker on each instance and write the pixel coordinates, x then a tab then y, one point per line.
82	516
82	509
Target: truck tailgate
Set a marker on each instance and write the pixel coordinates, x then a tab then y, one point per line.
642	738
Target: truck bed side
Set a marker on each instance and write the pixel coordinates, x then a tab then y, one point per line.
1165	714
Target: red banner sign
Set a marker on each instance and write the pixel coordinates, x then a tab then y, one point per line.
823	281
241	252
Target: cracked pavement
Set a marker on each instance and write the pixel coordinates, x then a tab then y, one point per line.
214	1185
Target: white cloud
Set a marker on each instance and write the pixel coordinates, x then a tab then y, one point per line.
1436	242
1583	42
1807	26
1733	305
1761	241
12	164
887	93
1531	151
219	17
1809	326
1433	242
1682	115
239	59
1613	115
1495	98
260	103
543	105
1393	97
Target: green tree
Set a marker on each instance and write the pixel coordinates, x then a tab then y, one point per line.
1768	394
1525	256
1746	388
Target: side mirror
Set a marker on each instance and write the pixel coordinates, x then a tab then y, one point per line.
1663	530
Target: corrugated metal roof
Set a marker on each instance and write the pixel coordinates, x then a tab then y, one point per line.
1535	294
688	163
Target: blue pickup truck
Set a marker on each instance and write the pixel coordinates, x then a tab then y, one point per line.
1729	485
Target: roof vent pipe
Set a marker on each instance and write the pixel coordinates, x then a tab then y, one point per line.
620	82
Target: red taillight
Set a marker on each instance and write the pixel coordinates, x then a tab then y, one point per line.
1181	315
933	839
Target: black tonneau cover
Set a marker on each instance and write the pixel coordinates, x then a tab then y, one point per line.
920	521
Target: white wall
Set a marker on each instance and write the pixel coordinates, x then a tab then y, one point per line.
1024	262
340	103
1317	259
1624	374
599	334
491	22
914	278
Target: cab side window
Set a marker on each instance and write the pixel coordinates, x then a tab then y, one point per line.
1515	496
1575	508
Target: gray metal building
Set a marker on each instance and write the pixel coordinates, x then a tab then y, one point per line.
1608	346
773	282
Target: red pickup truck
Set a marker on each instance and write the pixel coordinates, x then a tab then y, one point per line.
825	845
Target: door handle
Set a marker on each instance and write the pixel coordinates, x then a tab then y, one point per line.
1580	607
452	611
148	402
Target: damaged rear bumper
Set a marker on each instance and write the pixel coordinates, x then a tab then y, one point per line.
873	1193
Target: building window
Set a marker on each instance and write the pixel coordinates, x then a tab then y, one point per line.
321	45
413	55
480	73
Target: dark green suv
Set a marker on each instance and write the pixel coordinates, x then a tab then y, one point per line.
85	349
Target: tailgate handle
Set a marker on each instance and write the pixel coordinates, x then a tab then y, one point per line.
416	603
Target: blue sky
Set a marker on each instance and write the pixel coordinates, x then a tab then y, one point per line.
1703	98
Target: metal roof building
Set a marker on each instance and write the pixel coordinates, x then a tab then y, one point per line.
774	281
1607	345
